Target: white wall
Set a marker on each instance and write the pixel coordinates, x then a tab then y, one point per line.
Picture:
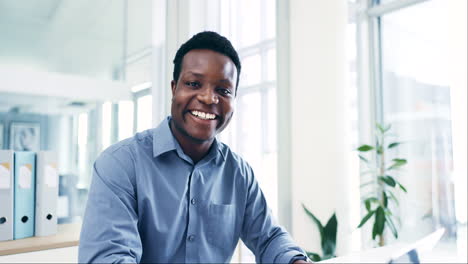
315	119
458	88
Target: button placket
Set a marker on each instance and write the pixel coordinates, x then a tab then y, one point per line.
191	248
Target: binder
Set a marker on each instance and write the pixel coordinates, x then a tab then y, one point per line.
24	204
46	193
6	195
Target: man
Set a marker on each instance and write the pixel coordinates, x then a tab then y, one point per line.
176	194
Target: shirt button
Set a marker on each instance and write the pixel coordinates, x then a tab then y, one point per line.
191	238
193	201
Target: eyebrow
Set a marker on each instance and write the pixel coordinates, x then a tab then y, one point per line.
196	74
225	81
199	75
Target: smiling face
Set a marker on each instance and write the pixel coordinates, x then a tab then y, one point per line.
203	96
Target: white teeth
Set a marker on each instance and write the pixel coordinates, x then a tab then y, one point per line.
203	115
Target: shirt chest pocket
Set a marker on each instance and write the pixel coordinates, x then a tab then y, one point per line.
222	225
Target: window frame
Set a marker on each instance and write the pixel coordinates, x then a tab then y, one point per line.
369	63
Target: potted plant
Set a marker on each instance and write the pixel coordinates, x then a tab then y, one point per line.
327	237
380	202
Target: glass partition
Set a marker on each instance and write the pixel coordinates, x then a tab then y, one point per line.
51	53
62	125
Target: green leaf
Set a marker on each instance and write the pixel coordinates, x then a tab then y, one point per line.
368	205
379	223
388	180
392	180
317	222
374	230
397	163
379	150
391	225
364	148
394	197
387	128
328	257
394	144
380	128
387	212
313	256
385	199
402	187
329	241
363	159
364	220
369	201
328	247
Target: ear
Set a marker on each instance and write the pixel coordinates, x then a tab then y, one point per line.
173	87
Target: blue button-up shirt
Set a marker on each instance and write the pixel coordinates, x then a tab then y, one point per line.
149	202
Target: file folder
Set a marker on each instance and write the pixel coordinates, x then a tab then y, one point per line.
46	193
6	195
24	204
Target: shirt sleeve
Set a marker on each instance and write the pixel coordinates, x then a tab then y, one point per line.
110	233
268	241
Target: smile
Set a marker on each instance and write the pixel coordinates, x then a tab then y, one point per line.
203	115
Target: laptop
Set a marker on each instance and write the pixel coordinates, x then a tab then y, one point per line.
396	253
410	254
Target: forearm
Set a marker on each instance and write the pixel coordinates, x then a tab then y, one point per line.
280	248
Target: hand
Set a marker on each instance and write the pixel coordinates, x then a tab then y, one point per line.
300	261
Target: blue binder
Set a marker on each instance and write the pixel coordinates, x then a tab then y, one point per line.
6	195
24	201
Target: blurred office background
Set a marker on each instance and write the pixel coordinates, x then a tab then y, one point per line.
317	75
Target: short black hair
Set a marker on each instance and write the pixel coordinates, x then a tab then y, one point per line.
206	40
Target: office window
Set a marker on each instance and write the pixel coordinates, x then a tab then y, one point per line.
125	119
412	47
251	25
106	124
83	163
416	101
144	112
351	116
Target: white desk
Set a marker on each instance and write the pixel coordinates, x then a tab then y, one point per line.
58	255
444	252
429	249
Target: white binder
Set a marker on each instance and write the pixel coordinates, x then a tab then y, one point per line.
46	193
6	195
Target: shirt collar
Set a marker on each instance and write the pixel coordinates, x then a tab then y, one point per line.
164	141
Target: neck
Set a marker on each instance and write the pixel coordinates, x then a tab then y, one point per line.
195	149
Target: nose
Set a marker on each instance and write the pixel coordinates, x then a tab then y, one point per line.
208	96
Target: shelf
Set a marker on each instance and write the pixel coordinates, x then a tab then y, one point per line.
68	235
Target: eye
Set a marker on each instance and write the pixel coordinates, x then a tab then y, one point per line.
224	91
193	84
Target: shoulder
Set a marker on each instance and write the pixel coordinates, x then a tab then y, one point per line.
125	152
117	164
128	147
235	162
